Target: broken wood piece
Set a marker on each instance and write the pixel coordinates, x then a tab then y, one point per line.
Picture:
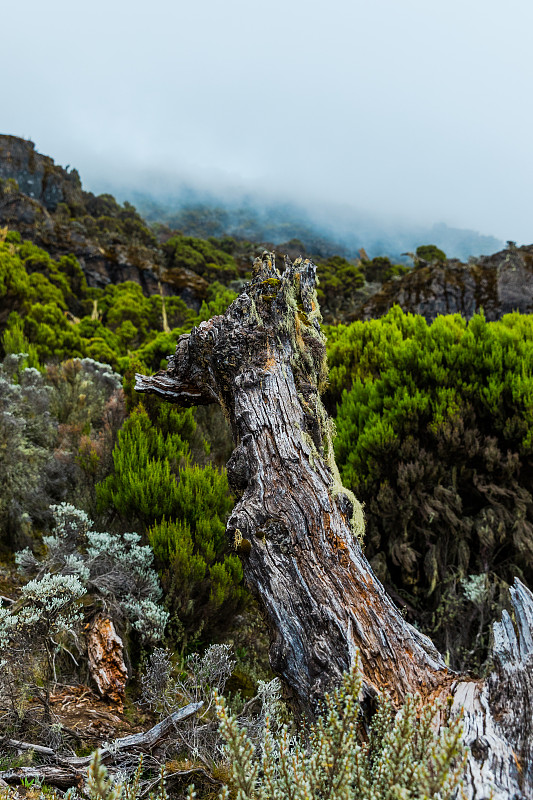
7	600
37	748
105	651
70	771
149	739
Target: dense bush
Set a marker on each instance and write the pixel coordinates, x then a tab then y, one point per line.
381	269
41	627
114	566
200	256
30	474
46	306
339	284
430	253
182	507
435	435
58	427
31	638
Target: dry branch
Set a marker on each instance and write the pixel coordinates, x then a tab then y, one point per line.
71	771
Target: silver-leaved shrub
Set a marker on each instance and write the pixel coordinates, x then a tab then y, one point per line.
114	566
404	757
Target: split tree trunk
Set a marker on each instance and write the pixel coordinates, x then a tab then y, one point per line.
297	529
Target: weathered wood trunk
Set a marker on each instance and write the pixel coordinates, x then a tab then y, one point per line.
105	651
297	528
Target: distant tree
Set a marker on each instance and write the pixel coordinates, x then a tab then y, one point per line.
430	253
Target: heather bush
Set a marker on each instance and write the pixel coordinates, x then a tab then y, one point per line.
182	507
435	437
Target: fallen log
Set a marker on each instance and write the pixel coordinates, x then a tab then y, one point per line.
297	529
148	740
51	775
70	771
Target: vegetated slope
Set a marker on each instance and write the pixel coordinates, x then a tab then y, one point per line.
179	255
324	231
47	205
435	436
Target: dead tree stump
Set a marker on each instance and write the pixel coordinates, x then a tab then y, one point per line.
298	530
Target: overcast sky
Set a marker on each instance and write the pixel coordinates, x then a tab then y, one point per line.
415	109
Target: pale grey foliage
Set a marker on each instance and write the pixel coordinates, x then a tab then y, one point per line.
33	632
148	619
116	566
62	553
34	472
404	757
475	587
102	375
167	688
50	602
156	681
27	433
122	567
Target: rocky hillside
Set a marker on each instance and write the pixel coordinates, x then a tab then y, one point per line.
46	204
498	284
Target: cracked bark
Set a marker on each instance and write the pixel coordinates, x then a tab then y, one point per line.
294	524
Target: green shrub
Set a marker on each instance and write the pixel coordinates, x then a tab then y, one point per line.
183	508
430	252
339	283
435	436
200	256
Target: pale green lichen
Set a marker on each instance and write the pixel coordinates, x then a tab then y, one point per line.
357	521
253	313
313	452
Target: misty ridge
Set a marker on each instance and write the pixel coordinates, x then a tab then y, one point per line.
323	229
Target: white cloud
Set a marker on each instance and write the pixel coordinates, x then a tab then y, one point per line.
416	108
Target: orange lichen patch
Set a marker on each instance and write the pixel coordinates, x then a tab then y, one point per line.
517	762
271	361
337	543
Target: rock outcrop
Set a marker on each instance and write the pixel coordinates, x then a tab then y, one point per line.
46	204
38	176
498	284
